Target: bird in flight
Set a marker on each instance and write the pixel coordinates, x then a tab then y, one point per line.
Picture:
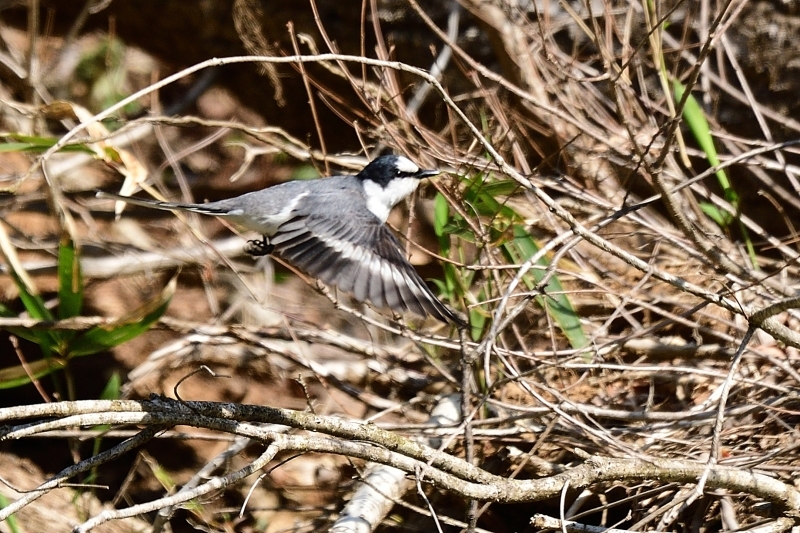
334	229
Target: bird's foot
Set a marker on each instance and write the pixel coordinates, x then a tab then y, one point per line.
259	248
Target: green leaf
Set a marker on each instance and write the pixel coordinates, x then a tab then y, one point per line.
28	294
481	195
70	281
442	223
113	388
112	391
18	375
486	198
500	188
11	521
31	143
696	120
36	336
722	218
36	308
521	248
25	333
33	303
441	214
459	228
477	320
130	326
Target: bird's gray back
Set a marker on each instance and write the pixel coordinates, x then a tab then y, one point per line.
265	210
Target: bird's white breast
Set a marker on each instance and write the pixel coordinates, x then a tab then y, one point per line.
381	200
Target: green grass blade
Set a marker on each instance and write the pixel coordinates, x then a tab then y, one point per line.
33	303
11	521
696	120
31	335
521	248
16	376
478	317
113	388
441	223
23	333
17	142
70	281
441	216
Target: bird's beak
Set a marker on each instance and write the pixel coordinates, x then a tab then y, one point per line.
422	174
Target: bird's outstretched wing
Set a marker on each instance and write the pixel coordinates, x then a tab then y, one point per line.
361	257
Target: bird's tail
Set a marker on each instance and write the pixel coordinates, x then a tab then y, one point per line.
166	206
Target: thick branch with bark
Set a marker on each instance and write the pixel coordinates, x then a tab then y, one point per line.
367	442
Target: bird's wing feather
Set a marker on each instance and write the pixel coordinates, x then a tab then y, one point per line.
359	255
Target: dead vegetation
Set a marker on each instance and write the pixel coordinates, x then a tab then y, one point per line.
627	256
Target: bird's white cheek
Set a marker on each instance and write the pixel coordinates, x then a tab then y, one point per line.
381	200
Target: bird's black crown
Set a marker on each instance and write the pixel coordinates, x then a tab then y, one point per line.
389	167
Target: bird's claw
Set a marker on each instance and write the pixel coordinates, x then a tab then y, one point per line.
259	248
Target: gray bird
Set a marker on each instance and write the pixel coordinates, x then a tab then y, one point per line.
334	230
